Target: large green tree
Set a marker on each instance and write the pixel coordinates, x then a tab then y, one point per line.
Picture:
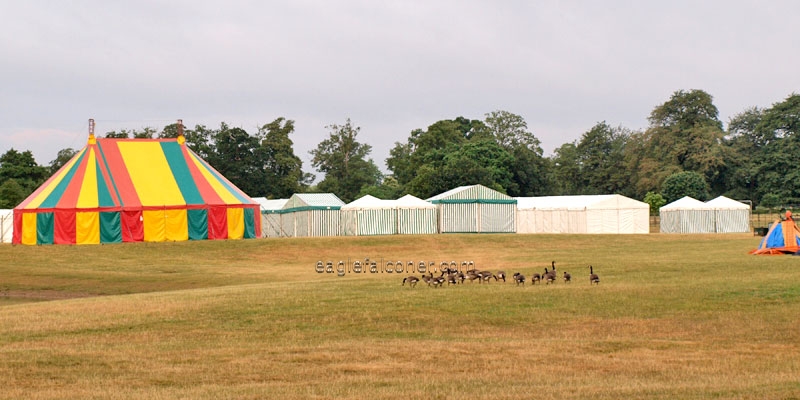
11	194
529	169
237	157
345	162
685	134
764	147
63	157
686	183
284	174
23	169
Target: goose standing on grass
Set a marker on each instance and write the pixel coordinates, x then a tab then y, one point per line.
549	276
500	275
519	278
412	281
567	277
593	278
535	277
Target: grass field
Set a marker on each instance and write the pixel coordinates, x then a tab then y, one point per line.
674	317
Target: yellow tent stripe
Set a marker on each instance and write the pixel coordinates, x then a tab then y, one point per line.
87	228
146	164
88	194
29	228
218	187
36	202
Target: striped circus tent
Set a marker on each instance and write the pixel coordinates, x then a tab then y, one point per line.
475	209
134	190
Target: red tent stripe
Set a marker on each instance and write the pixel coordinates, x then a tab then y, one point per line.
123	185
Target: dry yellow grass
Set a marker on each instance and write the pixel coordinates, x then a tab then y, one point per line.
675	316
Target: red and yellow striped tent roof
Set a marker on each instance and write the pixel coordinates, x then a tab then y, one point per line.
160	178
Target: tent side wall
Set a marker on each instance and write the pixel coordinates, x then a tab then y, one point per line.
412	221
6	226
49	226
458	217
497	217
271	225
687	221
368	221
732	221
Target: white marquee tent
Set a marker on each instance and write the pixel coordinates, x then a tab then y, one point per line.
270	218
582	214
687	215
6	226
311	214
415	216
730	216
475	209
368	215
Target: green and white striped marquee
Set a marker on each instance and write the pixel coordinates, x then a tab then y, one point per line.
475	209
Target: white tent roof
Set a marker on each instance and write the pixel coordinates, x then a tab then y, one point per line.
686	203
724	203
270	204
587	202
369	203
409	201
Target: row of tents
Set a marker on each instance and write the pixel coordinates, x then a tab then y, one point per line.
152	190
477	209
720	215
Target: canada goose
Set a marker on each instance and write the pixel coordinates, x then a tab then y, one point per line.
485	276
535	277
519	278
460	276
452	279
593	278
412	281
472	276
549	276
427	278
567	277
500	275
437	282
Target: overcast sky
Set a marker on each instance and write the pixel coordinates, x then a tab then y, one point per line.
389	66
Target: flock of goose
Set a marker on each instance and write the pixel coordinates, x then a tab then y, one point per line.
452	276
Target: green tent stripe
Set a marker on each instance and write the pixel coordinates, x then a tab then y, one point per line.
298	209
110	176
198	224
110	227
52	200
183	177
104	198
45	228
473	201
249	223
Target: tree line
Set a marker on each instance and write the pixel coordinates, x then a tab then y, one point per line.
685	150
